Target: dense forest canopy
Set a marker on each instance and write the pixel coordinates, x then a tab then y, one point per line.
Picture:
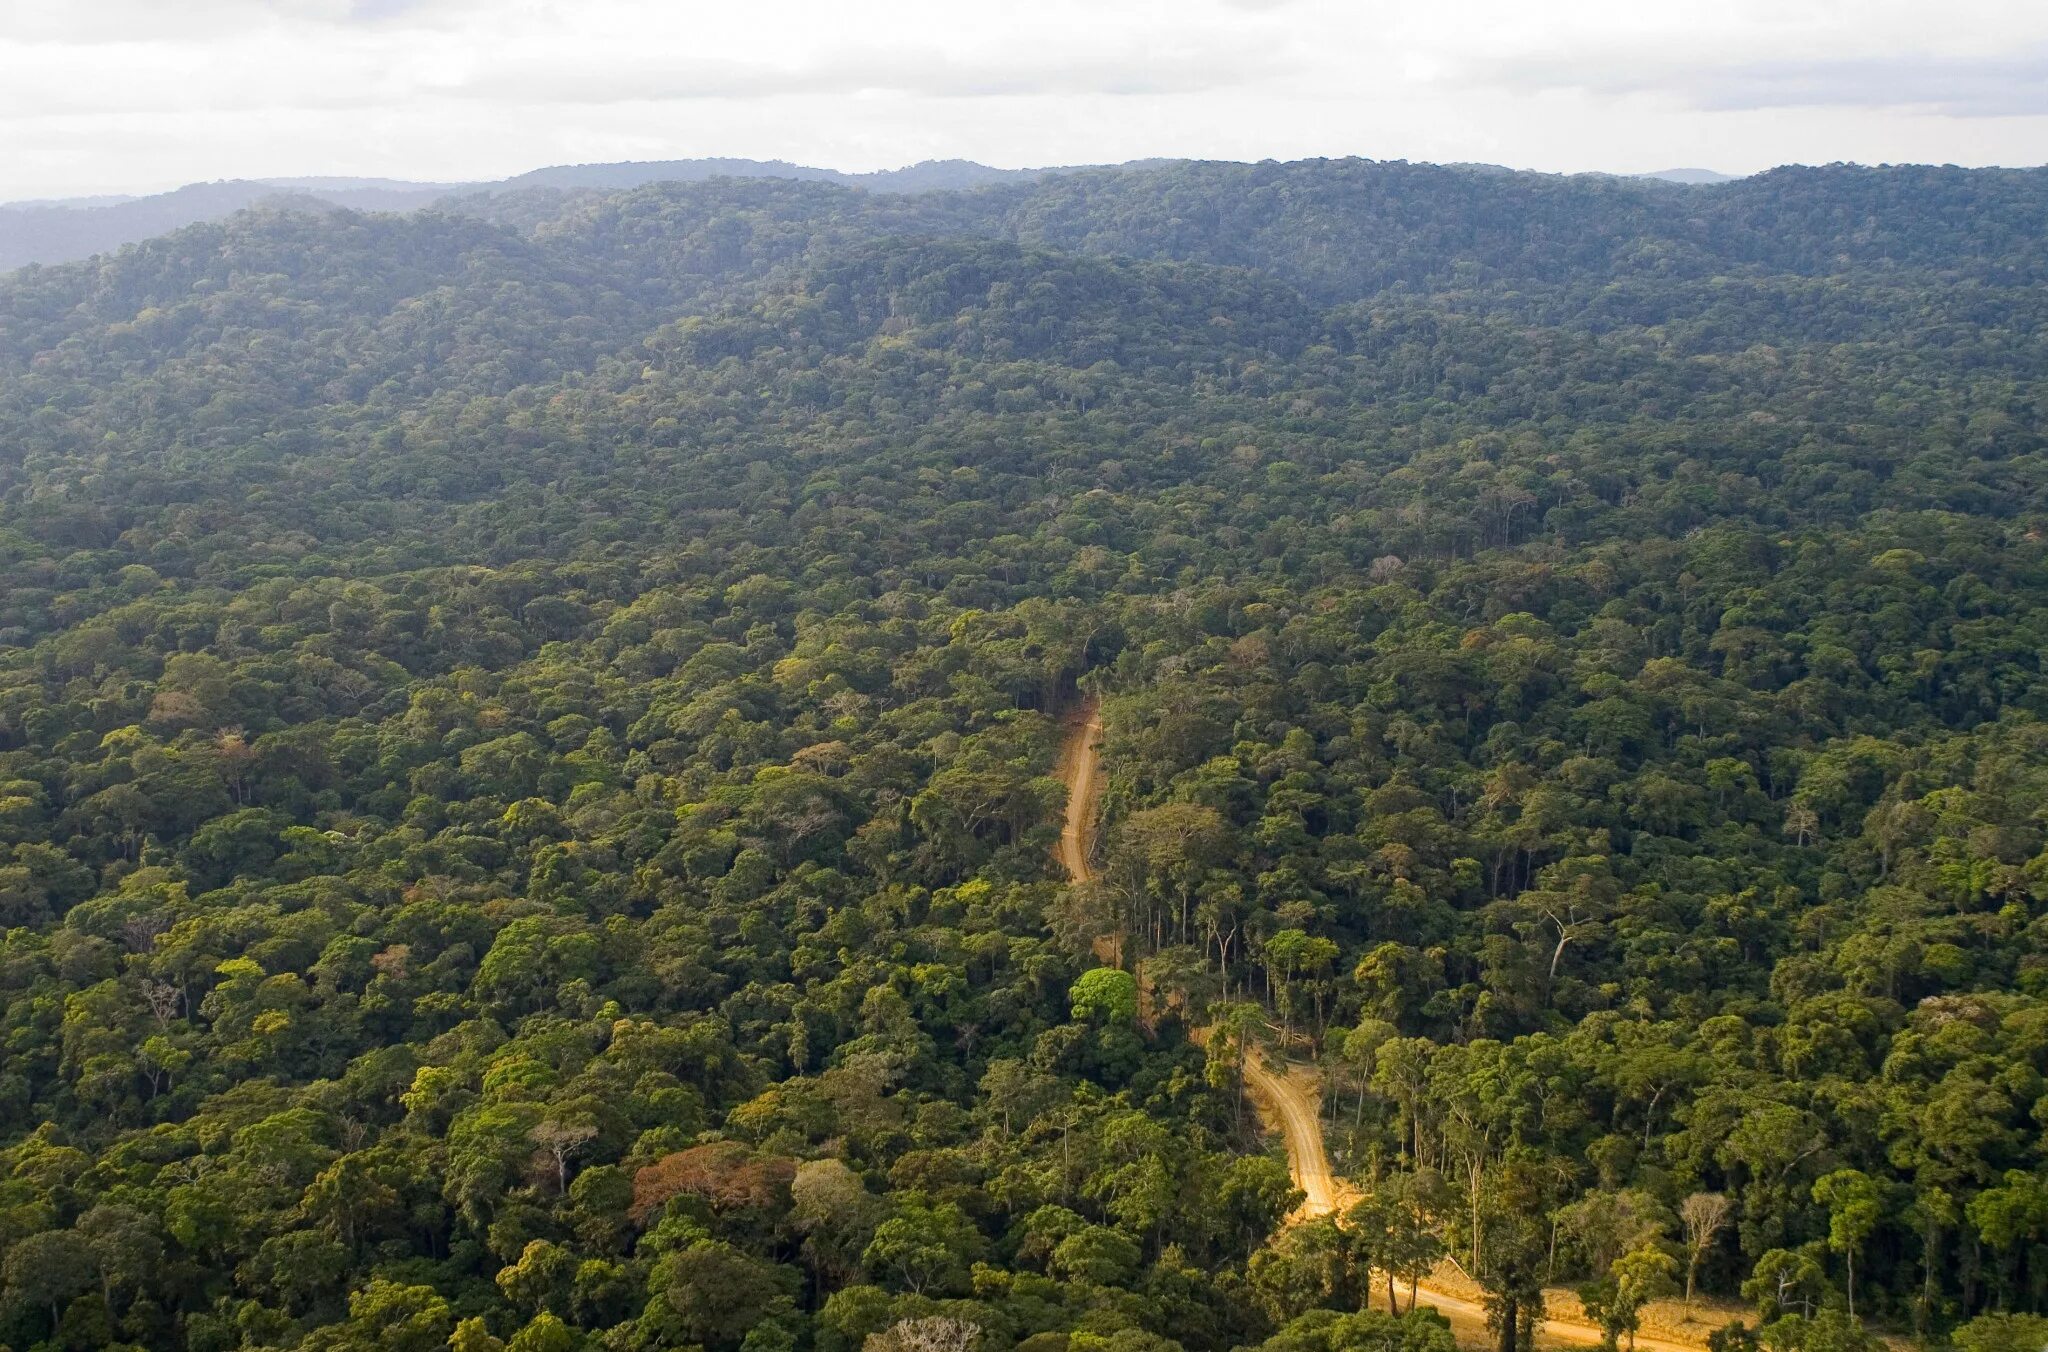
528	731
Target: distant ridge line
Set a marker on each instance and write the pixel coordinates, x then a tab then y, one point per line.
64	230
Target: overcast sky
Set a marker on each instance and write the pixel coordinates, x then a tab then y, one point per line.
140	95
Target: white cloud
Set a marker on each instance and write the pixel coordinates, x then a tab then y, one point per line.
102	95
929	72
1953	86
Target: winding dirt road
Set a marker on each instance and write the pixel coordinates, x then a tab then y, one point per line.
1294	1108
1291	1103
1080	768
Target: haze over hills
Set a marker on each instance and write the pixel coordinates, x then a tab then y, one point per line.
60	230
927	176
1690	176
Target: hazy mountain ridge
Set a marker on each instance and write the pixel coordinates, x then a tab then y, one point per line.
1690	176
63	229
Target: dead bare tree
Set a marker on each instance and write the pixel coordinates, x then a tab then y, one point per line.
1703	1214
936	1333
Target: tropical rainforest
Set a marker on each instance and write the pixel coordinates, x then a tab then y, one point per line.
528	742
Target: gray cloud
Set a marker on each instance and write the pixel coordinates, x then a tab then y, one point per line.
102	23
376	11
2014	85
930	74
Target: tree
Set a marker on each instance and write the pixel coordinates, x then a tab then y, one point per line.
1512	1250
1016	1092
1703	1214
1607	1224
472	1335
2011	1216
1292	954
925	1248
350	1201
403	1318
1233	1028
1854	1202
1783	1277
48	1270
1105	993
1095	1253
1364	1331
933	1333
836	1215
1394	1227
2002	1333
127	1249
1309	1266
539	1281
559	1141
544	1333
1253	1196
1829	1330
719	1293
727	1175
1163	853
1633	1281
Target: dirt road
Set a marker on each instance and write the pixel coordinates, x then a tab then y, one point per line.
1080	769
1468	1321
1080	766
1294	1109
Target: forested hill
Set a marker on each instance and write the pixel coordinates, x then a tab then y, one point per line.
527	739
67	229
